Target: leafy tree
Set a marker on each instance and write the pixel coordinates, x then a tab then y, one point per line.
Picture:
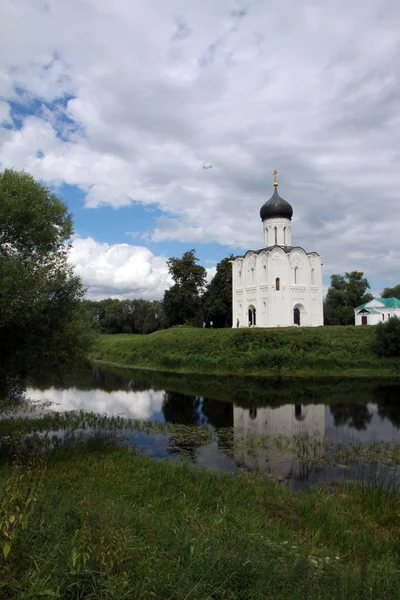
387	338
183	301
126	316
42	323
345	293
218	296
393	292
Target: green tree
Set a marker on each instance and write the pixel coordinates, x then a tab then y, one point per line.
218	296
126	316
387	338
393	292
183	301
43	324
345	293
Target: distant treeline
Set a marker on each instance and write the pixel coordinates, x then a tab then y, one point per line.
126	316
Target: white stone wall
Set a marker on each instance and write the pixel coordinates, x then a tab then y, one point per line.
255	285
277	232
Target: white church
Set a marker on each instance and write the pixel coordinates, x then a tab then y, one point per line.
279	285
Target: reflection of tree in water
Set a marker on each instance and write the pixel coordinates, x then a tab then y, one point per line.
218	414
181	409
387	398
354	415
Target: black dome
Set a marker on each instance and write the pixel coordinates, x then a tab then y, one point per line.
276	207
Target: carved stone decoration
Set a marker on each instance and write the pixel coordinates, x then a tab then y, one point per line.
276	256
264	258
252	262
296	259
239	266
313	260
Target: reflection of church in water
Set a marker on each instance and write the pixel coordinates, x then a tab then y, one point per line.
280	284
288	420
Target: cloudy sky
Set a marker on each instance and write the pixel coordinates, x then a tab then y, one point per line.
160	123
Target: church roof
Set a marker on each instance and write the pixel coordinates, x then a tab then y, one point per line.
276	207
386	303
286	249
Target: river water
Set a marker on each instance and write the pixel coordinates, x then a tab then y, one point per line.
276	427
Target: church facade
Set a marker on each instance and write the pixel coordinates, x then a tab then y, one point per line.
281	284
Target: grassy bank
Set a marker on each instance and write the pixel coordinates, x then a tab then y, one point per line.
296	351
107	524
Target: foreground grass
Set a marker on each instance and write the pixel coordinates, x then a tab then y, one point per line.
301	351
108	524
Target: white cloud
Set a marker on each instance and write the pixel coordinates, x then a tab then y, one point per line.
5	113
158	89
119	270
130	404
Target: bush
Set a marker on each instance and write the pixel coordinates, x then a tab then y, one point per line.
387	338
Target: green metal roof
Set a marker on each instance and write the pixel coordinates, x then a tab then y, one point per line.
387	303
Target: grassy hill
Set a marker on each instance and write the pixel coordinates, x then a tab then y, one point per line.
300	351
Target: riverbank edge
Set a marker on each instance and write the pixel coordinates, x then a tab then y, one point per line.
293	352
381	374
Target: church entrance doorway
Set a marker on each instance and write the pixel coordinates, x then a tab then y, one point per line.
252	315
364	321
299	315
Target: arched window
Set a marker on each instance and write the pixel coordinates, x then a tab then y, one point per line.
312	276
253	413
265	273
276	235
277	284
296	274
299	413
284	235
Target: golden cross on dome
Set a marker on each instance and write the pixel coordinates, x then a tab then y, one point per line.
275	173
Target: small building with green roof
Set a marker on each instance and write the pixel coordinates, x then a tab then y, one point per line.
376	311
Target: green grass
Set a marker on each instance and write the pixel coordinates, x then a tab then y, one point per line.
299	351
108	524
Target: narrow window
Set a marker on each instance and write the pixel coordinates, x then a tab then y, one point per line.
277	284
284	236
383	317
253	413
296	274
265	273
276	235
312	276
